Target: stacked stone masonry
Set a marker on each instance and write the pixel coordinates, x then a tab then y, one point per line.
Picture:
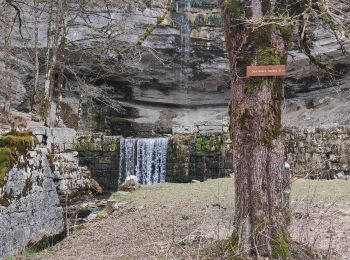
319	152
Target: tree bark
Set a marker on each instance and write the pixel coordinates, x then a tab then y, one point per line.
48	106
62	60
262	185
36	50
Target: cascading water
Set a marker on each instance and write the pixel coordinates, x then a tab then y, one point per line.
185	29
144	158
183	19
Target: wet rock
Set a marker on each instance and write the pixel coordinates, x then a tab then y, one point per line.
83	213
341	176
95	187
130	183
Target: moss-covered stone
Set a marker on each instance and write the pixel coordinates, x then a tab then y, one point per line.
6	160
236	9
19	143
114	146
199	21
179	156
11	146
214	20
207	144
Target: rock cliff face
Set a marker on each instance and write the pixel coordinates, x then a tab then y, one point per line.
177	78
30	209
38	187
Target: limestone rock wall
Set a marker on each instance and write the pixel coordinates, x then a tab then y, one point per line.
178	77
29	204
38	188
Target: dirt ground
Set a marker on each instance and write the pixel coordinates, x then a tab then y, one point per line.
189	221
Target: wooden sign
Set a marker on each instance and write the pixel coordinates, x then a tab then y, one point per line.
266	71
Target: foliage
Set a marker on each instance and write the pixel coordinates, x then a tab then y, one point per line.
207	144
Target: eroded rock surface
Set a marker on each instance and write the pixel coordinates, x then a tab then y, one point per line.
30	209
177	77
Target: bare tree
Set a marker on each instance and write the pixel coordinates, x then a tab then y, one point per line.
7	25
36	53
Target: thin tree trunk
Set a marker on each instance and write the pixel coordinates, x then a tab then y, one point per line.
62	60
262	185
48	109
7	61
36	50
45	100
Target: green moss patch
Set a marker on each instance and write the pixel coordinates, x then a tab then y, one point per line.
207	144
18	143
268	56
236	9
281	248
11	145
6	160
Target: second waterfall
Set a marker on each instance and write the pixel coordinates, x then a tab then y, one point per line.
144	158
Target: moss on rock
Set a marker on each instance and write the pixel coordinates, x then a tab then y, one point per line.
11	145
236	9
6	160
207	144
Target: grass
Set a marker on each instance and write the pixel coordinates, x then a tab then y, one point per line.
190	221
321	191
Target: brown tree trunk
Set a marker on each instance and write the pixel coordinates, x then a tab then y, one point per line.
62	60
262	185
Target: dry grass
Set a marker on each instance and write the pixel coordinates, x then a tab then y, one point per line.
189	221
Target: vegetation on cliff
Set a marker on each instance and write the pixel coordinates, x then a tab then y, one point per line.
12	145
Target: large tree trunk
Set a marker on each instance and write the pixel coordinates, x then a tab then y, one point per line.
262	186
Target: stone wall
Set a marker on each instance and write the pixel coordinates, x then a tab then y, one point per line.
319	152
198	157
190	157
101	155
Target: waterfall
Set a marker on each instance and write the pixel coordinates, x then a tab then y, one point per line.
185	44
144	158
185	30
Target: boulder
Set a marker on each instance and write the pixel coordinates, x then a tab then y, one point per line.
130	183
